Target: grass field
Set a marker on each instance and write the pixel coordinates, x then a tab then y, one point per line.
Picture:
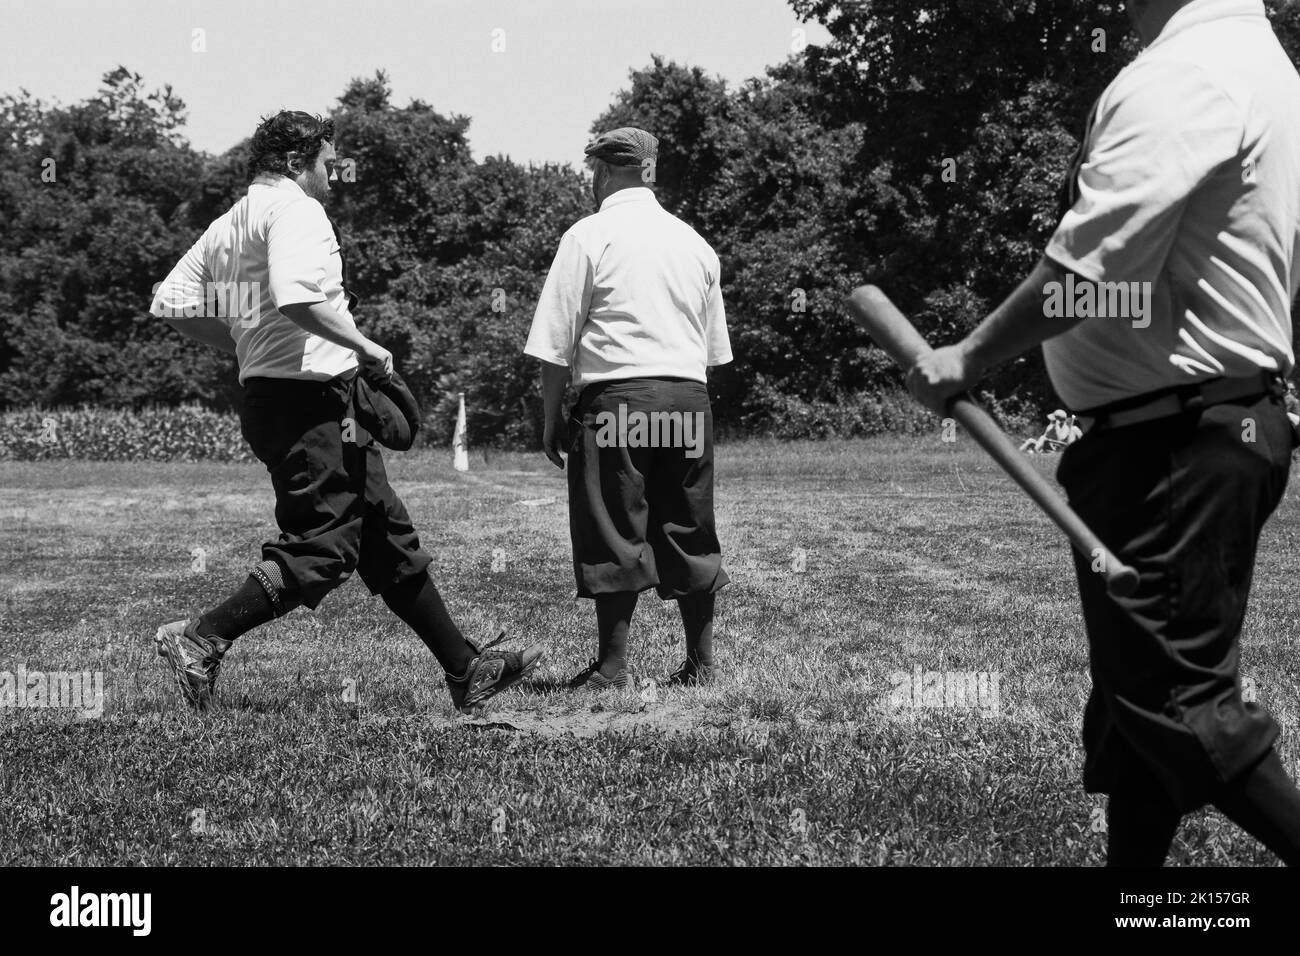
336	742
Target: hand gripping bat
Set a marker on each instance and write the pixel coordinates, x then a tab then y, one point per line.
872	310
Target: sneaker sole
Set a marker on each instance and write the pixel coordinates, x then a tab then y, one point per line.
488	693
588	682
175	659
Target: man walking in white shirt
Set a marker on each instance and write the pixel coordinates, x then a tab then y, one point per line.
302	413
632	314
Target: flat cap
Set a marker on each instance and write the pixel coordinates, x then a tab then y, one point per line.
625	146
388	411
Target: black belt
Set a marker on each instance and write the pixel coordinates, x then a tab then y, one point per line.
268	384
1168	402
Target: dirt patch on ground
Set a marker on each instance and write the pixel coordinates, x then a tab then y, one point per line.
601	718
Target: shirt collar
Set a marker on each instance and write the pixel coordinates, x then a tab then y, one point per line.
276	182
1205	11
631	194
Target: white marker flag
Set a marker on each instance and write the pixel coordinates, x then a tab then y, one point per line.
458	442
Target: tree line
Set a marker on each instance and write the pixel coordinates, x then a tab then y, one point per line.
921	147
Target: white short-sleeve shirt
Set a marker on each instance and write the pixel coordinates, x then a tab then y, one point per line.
633	292
1190	182
274	247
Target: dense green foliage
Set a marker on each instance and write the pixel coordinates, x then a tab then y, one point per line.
921	148
155	433
192	432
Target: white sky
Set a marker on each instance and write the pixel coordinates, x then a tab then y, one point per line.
562	63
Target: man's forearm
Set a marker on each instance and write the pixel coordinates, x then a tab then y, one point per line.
555	382
1019	323
322	319
206	329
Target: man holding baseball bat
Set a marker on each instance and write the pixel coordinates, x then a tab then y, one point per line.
1186	196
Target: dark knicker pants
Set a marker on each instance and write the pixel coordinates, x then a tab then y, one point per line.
642	516
1182	500
333	504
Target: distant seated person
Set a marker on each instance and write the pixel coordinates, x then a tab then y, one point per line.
1061	431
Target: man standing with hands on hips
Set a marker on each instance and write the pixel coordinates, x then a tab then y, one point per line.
1186	191
632	313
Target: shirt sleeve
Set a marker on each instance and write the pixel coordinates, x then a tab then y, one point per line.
715	320
1161	132
182	294
299	242
562	307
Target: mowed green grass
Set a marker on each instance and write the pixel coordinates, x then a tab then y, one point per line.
914	554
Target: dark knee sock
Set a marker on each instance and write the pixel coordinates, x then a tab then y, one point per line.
247	608
1140	827
417	602
613	620
697	620
1266	804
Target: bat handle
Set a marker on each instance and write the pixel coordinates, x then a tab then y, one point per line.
1121	579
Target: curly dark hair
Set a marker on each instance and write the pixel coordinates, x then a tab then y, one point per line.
285	132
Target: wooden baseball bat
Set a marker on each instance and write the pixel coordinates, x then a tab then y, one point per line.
872	310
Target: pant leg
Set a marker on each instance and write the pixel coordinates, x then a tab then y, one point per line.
390	546
1182	500
295	428
681	528
608	511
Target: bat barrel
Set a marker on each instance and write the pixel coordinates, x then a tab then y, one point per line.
887	326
